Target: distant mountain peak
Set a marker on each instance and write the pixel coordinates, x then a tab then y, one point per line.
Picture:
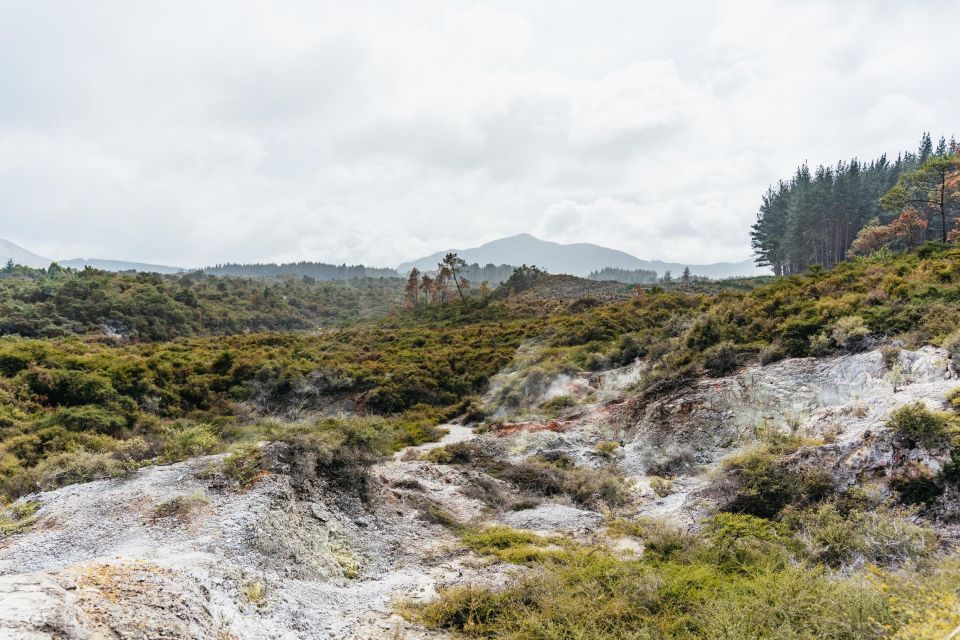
577	259
19	255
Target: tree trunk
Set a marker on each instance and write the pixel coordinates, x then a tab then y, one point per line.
943	208
456	281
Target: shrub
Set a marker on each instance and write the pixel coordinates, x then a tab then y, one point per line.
771	353
951	344
607	448
891	356
530	477
627	350
432	512
181	507
916	489
558	403
703	333
244	464
587	486
18	517
471	609
456	453
61	387
740	540
510	545
661	486
586	593
954	399
254	592
951	470
80	466
720	359
896	376
879	536
89	418
668	460
914	425
849	333
758	483
185	441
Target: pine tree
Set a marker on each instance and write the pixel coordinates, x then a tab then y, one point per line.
926	147
450	267
928	187
815	216
411	291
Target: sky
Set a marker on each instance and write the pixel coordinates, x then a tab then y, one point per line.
193	133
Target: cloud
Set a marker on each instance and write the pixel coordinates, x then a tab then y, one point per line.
192	134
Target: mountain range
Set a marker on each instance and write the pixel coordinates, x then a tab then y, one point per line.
577	259
19	255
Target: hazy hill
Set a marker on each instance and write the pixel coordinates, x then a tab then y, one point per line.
118	265
10	251
19	255
576	259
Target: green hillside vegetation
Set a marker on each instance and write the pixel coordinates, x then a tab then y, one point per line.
740	577
59	302
140	401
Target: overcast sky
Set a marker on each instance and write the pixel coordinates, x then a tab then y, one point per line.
197	132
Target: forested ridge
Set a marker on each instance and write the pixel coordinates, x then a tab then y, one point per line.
56	302
316	270
816	215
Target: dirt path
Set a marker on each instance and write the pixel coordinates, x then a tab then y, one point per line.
455	433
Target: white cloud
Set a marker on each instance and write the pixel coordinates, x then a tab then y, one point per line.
193	133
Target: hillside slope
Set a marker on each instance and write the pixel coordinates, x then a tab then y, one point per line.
185	551
19	255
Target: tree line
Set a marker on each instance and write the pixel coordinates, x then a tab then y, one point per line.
629	276
315	270
816	216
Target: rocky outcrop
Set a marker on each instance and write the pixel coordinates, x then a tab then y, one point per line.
290	557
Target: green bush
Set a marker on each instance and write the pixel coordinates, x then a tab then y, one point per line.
558	403
60	387
771	353
456	453
951	344
90	418
720	359
914	425
661	486
880	536
759	483
190	440
848	333
586	593
17	518
80	466
954	399
740	541
917	489
244	464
